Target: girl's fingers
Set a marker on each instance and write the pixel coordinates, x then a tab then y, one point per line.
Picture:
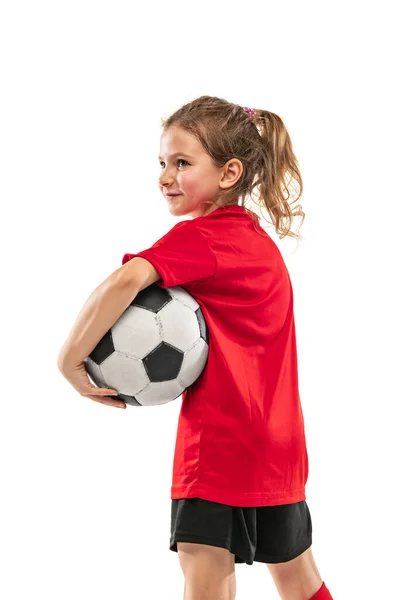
103	392
107	401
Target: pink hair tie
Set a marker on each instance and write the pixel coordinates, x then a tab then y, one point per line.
249	111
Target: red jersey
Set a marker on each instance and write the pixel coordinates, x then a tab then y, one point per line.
240	437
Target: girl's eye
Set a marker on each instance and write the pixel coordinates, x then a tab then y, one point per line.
179	160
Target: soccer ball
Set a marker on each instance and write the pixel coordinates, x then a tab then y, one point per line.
156	349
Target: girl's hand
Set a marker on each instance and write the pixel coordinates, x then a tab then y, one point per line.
78	378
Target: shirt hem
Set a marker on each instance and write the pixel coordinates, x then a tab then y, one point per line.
237	499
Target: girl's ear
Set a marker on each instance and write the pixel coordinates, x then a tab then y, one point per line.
233	170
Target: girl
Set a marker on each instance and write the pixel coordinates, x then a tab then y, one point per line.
240	464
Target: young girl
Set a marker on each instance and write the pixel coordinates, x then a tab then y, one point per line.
240	464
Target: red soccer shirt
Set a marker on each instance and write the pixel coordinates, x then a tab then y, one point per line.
240	438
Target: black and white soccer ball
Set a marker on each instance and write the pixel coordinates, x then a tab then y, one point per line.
156	349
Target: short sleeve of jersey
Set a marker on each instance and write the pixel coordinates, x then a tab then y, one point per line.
181	256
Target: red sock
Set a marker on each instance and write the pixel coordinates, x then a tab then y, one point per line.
322	594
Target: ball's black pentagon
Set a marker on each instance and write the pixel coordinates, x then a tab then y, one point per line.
163	363
152	298
202	325
104	349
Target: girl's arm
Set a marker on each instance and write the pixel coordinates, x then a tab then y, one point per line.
103	308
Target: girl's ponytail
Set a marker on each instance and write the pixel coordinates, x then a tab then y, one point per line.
279	181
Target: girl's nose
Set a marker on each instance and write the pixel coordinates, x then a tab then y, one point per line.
163	180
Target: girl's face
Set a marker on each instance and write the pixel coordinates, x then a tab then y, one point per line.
187	170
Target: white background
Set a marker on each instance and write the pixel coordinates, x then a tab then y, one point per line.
85	488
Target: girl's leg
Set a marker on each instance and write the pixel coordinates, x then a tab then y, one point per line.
209	572
297	579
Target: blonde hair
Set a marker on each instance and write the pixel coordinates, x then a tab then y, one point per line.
262	144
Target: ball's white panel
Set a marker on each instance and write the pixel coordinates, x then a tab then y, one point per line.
194	361
184	297
136	332
125	374
160	393
179	325
94	372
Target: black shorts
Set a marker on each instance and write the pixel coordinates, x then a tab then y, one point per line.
268	534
